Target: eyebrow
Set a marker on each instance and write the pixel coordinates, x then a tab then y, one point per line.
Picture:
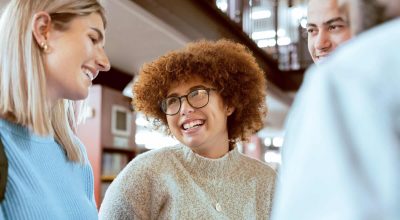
333	20
188	91
328	22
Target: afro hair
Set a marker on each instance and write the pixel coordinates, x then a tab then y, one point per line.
228	66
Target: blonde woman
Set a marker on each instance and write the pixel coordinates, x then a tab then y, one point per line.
50	51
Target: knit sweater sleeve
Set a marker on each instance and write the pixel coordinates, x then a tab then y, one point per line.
270	191
265	188
132	194
1	212
89	184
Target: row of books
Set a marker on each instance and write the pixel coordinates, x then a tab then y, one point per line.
113	163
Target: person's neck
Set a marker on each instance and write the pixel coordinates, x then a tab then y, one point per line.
213	152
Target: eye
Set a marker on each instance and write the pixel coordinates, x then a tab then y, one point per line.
202	93
94	40
193	93
335	27
311	31
171	101
198	94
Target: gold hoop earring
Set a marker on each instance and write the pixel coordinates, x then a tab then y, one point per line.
44	46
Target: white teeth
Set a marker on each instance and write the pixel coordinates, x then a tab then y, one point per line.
192	124
88	74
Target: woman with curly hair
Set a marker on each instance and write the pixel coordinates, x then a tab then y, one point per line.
209	96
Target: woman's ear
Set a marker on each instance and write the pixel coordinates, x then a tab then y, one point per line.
41	26
230	110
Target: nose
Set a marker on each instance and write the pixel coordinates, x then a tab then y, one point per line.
102	62
322	41
185	107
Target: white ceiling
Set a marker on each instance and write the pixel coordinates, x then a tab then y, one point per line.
134	36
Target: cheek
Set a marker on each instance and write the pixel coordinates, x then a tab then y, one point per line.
348	34
52	66
342	37
56	60
172	123
310	44
310	47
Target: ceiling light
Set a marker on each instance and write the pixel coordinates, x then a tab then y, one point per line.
255	15
257	35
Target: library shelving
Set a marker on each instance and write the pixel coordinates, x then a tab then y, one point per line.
108	134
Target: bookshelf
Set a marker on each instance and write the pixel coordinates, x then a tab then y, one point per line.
109	136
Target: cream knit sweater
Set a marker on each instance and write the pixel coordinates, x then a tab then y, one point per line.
175	183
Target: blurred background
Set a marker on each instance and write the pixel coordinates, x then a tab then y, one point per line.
139	31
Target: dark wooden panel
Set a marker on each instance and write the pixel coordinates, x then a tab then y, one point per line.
114	79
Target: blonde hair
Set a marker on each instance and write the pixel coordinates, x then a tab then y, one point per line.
22	74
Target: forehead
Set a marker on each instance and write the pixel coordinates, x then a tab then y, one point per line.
92	21
320	11
184	86
343	2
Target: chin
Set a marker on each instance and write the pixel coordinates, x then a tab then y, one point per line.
194	145
78	96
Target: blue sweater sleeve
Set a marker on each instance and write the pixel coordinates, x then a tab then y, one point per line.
1	212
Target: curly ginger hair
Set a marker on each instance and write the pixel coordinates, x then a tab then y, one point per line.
228	66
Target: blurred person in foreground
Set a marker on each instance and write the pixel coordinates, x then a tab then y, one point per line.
209	96
50	51
344	162
327	28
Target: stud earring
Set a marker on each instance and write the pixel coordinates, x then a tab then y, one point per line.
229	111
44	46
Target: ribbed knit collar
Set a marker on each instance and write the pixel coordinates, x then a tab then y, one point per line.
207	166
24	132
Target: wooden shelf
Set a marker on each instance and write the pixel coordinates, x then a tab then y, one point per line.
107	178
119	150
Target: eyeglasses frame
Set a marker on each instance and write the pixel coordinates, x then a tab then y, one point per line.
186	97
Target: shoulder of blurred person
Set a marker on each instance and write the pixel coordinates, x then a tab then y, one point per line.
372	50
370	57
345	156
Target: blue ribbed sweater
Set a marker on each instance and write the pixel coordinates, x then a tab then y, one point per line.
42	183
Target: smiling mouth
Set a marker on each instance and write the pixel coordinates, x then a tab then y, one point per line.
88	73
192	124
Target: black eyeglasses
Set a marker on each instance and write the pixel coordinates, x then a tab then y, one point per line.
197	98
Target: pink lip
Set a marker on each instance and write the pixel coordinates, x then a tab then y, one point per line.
192	130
